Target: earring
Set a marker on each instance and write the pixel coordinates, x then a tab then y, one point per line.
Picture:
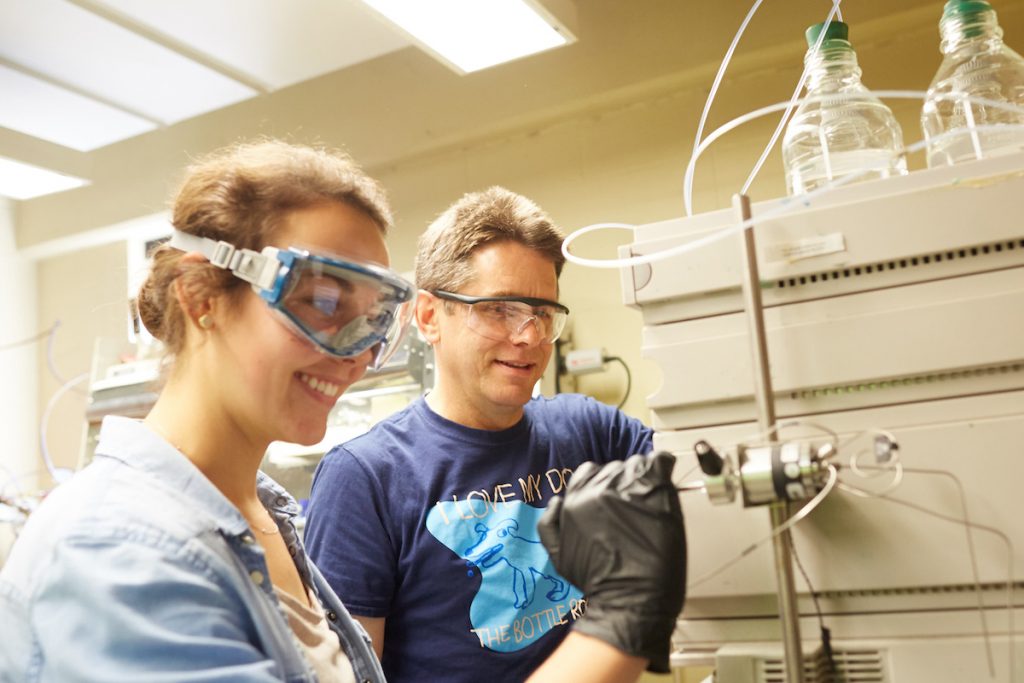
205	321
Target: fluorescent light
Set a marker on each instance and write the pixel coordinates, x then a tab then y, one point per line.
274	43
23	181
474	34
43	110
79	49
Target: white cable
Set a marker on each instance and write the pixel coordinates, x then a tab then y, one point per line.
688	183
1011	627
49	353
50	361
792	101
786	204
721	73
893	465
963	507
871	430
897	479
59	475
12	480
767	434
14	501
809	506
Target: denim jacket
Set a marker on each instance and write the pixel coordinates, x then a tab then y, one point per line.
139	569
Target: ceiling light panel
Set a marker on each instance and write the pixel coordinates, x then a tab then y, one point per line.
71	46
471	34
23	181
276	43
43	110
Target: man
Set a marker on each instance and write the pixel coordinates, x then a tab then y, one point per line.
427	525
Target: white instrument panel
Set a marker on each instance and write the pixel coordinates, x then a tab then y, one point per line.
895	304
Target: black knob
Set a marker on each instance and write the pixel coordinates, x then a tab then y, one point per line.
711	463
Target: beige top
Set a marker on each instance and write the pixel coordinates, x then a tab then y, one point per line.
320	643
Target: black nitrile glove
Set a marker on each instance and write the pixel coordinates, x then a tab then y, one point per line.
618	536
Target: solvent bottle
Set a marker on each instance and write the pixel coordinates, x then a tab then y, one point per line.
976	63
840	128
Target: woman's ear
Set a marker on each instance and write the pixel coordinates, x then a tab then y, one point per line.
427	314
195	303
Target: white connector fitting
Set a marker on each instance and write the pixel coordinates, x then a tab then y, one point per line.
583	361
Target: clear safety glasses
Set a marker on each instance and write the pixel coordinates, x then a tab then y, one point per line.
342	306
500	318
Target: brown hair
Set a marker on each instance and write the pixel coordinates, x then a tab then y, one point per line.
241	195
478	219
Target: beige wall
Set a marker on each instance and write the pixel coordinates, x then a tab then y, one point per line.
86	292
18	361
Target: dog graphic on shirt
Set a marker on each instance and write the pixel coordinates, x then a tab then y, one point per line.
520	593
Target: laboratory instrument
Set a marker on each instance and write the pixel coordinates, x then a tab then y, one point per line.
891	307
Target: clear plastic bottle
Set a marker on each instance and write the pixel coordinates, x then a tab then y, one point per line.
829	138
975	63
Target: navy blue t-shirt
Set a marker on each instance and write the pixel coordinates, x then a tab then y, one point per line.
433	526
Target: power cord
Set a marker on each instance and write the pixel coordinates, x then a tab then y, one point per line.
826	634
586	361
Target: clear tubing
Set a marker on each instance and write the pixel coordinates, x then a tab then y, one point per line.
49	353
59	475
26	342
688	186
971	126
1011	627
12	481
970	538
788	204
833	478
779	426
721	72
792	105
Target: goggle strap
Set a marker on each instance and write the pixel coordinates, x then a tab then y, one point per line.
246	264
259	269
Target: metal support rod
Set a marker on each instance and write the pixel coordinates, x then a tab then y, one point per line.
782	545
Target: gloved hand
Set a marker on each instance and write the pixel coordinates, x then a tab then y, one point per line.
618	536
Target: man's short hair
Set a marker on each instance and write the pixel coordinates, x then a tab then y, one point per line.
478	219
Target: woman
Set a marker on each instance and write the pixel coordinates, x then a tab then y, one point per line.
171	557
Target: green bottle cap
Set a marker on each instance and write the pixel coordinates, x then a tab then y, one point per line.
837	30
959	8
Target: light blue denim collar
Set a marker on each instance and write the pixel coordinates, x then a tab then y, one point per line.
135	445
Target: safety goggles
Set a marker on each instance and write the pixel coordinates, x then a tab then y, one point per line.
501	318
342	306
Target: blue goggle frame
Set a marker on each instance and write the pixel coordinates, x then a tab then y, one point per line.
273	272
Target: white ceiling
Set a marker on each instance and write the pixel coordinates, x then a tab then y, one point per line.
86	73
196	75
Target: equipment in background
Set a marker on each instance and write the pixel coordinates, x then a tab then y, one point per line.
407	375
587	361
125	379
793	471
130	388
893	313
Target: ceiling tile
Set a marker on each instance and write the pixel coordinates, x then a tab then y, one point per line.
277	43
74	47
37	108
